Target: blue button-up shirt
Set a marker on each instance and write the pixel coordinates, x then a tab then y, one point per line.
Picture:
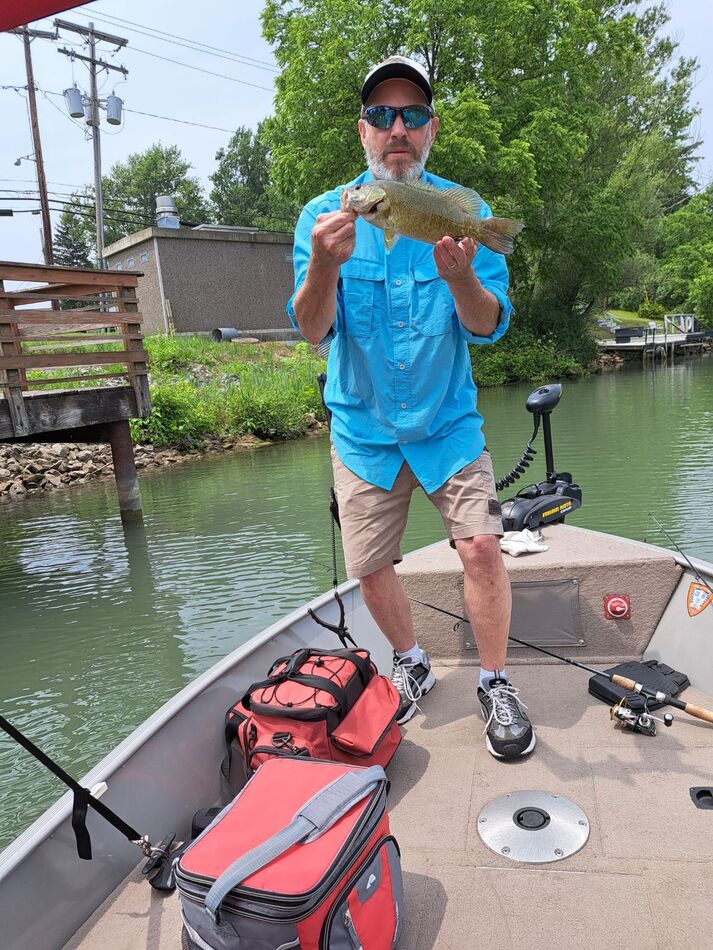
399	381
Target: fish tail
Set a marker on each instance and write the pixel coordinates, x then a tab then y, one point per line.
497	233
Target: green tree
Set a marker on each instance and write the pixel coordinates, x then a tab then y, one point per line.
130	190
243	194
161	170
685	271
71	241
572	115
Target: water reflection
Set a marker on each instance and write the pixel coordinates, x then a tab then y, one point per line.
102	622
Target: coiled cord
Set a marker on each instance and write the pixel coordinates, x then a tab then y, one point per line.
524	462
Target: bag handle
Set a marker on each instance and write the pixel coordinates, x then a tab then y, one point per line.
314	818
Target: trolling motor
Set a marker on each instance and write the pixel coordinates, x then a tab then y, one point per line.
544	502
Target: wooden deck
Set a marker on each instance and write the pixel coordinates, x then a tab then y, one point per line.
86	324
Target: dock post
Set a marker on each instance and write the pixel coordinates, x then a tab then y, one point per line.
127	481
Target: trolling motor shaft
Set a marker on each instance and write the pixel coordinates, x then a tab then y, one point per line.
545	502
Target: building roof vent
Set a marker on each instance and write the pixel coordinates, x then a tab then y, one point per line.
166	212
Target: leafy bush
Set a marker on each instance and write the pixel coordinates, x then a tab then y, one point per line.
650	310
515	358
178	417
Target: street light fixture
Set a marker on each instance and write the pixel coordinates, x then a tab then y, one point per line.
25	158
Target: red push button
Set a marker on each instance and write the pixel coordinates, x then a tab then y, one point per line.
617	607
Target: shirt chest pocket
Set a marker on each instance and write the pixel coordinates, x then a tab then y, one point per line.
433	307
363	293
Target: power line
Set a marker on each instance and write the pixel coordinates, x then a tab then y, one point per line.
194	44
77	204
31	181
198	69
168	118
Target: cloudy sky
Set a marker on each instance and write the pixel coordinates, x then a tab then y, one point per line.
160	90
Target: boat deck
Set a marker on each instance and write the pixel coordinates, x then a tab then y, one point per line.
643	877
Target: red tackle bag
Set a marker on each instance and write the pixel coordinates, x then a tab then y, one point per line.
301	858
320	704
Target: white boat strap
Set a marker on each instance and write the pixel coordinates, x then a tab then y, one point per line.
314	818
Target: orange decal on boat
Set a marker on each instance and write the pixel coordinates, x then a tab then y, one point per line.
698	598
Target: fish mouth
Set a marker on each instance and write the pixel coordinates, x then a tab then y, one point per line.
375	207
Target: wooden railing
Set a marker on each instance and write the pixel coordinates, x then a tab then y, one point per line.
36	341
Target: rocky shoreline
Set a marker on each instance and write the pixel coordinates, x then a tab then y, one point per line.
28	468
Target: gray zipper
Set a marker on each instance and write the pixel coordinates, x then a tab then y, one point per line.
351	931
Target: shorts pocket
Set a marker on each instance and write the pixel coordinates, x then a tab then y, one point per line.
362	286
434	305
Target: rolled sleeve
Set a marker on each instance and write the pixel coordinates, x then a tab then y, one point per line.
492	272
301	253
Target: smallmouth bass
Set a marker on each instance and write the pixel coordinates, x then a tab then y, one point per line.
425	213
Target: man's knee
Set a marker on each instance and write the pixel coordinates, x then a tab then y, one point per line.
375	579
480	553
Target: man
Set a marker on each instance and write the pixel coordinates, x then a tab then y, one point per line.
402	397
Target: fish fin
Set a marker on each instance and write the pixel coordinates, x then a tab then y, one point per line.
466	199
497	233
390	238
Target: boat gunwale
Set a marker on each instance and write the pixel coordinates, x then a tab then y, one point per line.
56	814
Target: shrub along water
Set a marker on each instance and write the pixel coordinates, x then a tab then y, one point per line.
201	388
269	390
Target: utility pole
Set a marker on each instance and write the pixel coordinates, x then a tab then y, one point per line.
47	249
92	36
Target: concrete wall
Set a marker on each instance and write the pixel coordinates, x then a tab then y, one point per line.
240	279
137	252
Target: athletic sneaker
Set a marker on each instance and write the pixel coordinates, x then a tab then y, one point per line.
508	730
412	680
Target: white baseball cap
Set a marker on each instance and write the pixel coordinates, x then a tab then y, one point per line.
397	67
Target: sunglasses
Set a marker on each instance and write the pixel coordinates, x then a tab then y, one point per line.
383	117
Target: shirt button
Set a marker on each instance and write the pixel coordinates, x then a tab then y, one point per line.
402	366
400	323
398	283
403	405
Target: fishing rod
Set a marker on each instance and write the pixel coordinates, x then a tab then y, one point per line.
696	574
83	799
698	712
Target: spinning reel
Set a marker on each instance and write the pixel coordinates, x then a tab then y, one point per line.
643	722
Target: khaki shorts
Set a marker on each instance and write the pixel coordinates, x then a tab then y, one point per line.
373	519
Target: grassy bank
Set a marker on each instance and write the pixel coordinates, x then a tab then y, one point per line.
201	388
269	390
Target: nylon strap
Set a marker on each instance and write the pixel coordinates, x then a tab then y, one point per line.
314	818
82	796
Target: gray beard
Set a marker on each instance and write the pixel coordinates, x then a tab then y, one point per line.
379	170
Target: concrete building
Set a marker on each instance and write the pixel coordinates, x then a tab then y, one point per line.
197	279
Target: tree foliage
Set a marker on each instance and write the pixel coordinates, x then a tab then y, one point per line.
130	190
573	115
685	271
71	244
242	193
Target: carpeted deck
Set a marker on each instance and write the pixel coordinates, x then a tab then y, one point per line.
643	878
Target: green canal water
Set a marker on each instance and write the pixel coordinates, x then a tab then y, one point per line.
100	626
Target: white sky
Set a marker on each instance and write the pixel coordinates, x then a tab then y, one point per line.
167	89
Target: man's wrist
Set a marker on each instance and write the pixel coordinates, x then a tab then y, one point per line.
467	282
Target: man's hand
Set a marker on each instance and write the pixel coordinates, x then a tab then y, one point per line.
477	308
333	238
454	260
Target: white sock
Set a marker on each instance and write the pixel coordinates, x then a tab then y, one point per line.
487	675
414	655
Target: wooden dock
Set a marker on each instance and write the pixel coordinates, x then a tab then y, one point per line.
86	324
653	345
